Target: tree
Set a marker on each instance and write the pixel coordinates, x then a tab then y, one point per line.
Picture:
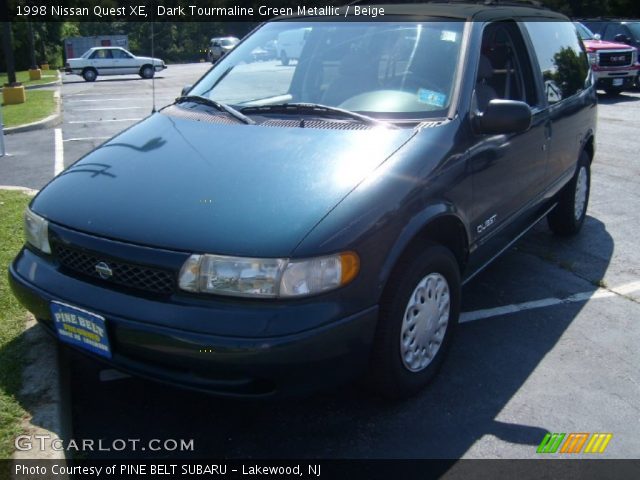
7	46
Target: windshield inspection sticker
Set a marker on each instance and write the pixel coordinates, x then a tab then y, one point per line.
430	97
448	36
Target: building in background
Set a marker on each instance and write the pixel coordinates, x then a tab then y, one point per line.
75	46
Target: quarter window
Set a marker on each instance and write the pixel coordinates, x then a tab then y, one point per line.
562	59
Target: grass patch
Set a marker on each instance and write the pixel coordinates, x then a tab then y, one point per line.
12	321
40	104
48	76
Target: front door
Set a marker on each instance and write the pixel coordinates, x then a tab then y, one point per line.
508	171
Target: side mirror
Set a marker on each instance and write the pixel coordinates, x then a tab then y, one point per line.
504	116
597	36
185	90
621	38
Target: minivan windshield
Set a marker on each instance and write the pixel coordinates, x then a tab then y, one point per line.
394	70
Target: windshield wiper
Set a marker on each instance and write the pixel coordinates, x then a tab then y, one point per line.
223	107
316	109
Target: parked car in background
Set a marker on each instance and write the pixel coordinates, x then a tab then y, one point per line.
290	228
614	65
290	44
112	61
220	46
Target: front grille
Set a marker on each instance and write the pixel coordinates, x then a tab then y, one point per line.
615	59
125	274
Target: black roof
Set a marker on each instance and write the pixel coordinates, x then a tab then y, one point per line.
483	10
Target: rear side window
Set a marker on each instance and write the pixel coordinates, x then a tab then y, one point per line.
562	59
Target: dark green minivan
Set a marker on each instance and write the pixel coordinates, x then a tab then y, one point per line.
285	226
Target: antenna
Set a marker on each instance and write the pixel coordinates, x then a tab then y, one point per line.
153	65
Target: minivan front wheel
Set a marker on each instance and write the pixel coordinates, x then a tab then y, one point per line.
418	316
568	216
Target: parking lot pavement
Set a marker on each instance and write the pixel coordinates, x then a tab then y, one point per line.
30	159
94	112
549	343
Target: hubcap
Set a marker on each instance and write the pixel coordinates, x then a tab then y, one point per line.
425	322
581	193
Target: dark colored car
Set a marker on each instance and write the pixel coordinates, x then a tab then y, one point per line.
278	229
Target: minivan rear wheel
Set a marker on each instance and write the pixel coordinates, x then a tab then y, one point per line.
418	315
568	216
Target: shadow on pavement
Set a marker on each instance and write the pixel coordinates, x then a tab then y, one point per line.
624	97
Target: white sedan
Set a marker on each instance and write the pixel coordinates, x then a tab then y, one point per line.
112	61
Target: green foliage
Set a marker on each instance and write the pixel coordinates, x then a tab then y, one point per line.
185	41
12	321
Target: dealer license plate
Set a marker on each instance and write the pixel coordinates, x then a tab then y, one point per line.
80	328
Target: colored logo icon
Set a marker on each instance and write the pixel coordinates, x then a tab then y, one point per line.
574	443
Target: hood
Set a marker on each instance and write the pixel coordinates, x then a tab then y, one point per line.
232	189
604	45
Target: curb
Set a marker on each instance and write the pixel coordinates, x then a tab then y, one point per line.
48	122
43	85
29	191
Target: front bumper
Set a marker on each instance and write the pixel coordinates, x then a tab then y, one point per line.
225	365
605	78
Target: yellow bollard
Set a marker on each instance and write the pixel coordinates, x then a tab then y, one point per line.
44	66
14	95
35	74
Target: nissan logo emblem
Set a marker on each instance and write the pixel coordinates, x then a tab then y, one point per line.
103	270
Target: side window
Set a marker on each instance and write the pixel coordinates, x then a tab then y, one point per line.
615	29
562	60
120	54
505	70
101	54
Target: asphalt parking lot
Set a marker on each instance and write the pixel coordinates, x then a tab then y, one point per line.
549	339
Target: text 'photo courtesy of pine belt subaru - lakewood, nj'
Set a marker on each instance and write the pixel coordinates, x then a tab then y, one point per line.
280	228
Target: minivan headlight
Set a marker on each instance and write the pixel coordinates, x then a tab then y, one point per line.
267	277
36	231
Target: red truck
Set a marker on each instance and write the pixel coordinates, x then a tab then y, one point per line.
615	65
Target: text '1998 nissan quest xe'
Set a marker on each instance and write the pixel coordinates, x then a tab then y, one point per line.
282	227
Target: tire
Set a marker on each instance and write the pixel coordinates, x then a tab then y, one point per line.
568	216
394	371
89	75
284	59
147	72
613	92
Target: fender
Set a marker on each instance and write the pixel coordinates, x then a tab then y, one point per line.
421	220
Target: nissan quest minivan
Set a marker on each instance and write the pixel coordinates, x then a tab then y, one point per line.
282	227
